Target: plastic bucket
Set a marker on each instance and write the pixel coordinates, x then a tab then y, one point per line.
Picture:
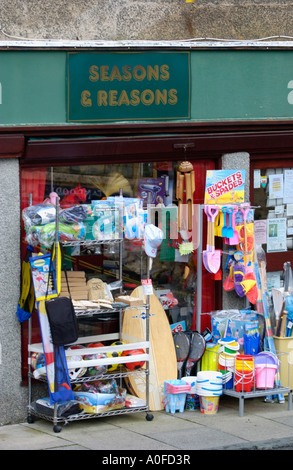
226	362
209	383
209	360
174	402
228	379
177	386
244	373
209	375
192	382
266	357
191	402
209	405
265	375
244	363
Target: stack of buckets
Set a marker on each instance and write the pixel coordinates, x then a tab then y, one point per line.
209	388
244	373
228	352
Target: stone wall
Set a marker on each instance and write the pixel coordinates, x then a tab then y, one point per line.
12	400
144	19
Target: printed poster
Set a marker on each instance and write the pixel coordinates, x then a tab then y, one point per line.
224	186
276	235
288	188
276	186
260	232
43	278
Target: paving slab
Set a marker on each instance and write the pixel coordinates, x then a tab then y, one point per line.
263	426
197	438
19	437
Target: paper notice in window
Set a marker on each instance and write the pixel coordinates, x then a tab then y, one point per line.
276	235
288	187
276	186
147	286
260	232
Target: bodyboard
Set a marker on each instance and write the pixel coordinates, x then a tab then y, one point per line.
162	355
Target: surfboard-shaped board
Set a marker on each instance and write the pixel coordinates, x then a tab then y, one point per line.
162	358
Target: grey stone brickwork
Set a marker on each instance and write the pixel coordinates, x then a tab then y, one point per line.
12	404
145	19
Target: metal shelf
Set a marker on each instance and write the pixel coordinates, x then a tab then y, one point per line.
92	243
82	415
94	313
93	378
258	393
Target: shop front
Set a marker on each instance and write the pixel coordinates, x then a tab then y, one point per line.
91	123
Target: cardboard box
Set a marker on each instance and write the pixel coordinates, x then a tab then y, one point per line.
73	274
127	299
73	282
100	402
77	295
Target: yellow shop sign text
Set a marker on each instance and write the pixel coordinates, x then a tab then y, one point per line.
132	97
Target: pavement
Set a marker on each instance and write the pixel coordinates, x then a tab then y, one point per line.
120	438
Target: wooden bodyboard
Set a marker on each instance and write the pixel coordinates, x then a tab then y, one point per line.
162	361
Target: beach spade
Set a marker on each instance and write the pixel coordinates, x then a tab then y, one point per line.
211	257
249	280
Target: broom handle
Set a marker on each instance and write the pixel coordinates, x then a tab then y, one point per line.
260	275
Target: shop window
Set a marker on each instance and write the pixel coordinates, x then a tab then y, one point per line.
273	197
173	275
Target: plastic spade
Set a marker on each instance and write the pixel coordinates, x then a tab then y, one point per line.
245	209
227	230
205	252
211	257
235	239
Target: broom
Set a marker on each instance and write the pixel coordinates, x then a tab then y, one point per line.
112	184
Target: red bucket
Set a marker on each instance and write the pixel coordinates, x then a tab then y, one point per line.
244	373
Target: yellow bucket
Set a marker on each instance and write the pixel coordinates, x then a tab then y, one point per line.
209	360
244	363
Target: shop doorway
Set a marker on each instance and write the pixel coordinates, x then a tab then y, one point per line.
78	174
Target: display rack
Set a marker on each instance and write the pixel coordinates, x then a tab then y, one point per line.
241	395
119	361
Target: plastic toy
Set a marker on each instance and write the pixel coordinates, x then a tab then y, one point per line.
133	365
76	196
79	371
